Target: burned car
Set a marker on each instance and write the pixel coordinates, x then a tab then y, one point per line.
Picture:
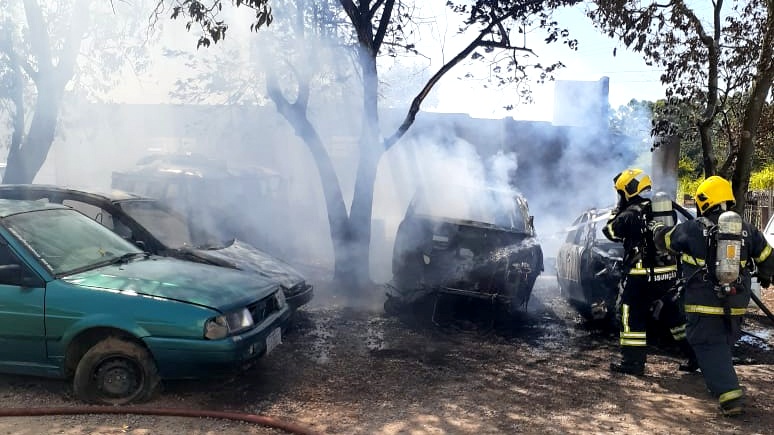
472	244
588	266
249	203
159	230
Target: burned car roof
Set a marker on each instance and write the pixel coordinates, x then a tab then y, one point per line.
195	166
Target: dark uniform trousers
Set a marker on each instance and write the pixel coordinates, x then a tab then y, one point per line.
714	318
713	326
640	292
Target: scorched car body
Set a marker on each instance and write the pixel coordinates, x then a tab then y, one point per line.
588	266
454	246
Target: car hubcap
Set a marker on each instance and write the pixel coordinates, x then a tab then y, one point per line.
117	378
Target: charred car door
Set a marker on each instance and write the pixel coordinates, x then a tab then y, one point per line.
568	267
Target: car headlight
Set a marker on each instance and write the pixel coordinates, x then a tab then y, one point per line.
280	297
230	323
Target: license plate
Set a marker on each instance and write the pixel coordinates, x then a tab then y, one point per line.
273	340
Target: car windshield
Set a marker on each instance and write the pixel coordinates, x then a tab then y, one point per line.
67	241
493	207
168	227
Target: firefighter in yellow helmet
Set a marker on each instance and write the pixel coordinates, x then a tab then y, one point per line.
719	251
649	276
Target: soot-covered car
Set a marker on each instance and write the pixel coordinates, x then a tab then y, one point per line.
80	302
473	244
249	203
588	265
162	231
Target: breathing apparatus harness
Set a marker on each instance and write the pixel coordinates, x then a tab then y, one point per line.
661	211
725	241
646	252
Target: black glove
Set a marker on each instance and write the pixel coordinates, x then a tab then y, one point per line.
764	281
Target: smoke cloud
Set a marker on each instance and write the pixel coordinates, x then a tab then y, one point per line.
214	103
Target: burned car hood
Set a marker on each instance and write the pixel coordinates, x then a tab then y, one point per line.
240	255
169	278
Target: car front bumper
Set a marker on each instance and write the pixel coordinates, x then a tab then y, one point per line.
178	358
300	298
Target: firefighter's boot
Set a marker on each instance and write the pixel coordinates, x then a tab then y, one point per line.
732	403
691	364
632	361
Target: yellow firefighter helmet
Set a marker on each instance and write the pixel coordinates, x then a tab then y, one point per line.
631	182
713	191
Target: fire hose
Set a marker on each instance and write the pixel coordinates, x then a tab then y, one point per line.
271	422
762	306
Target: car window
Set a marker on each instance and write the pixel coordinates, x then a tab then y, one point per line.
11	268
573	230
97	213
168	227
581	229
65	240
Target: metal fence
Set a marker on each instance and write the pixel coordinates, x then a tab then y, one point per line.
758	209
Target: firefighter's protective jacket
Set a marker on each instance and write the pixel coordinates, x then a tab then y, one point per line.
689	240
629	226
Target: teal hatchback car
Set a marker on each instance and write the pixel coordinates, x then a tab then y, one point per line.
78	301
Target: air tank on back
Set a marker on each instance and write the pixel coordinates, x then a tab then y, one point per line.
661	206
729	247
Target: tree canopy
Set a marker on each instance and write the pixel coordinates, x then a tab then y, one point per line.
722	69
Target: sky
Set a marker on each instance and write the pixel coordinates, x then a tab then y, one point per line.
630	78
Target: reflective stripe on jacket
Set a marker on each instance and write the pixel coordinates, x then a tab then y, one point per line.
688	240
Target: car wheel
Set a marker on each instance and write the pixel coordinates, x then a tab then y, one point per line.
116	372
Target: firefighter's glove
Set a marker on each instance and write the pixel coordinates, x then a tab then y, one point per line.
764	281
653	225
655	308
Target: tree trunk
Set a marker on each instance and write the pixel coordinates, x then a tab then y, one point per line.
17	97
752	114
24	162
355	271
705	134
338	221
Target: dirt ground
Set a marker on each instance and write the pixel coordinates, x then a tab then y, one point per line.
347	369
